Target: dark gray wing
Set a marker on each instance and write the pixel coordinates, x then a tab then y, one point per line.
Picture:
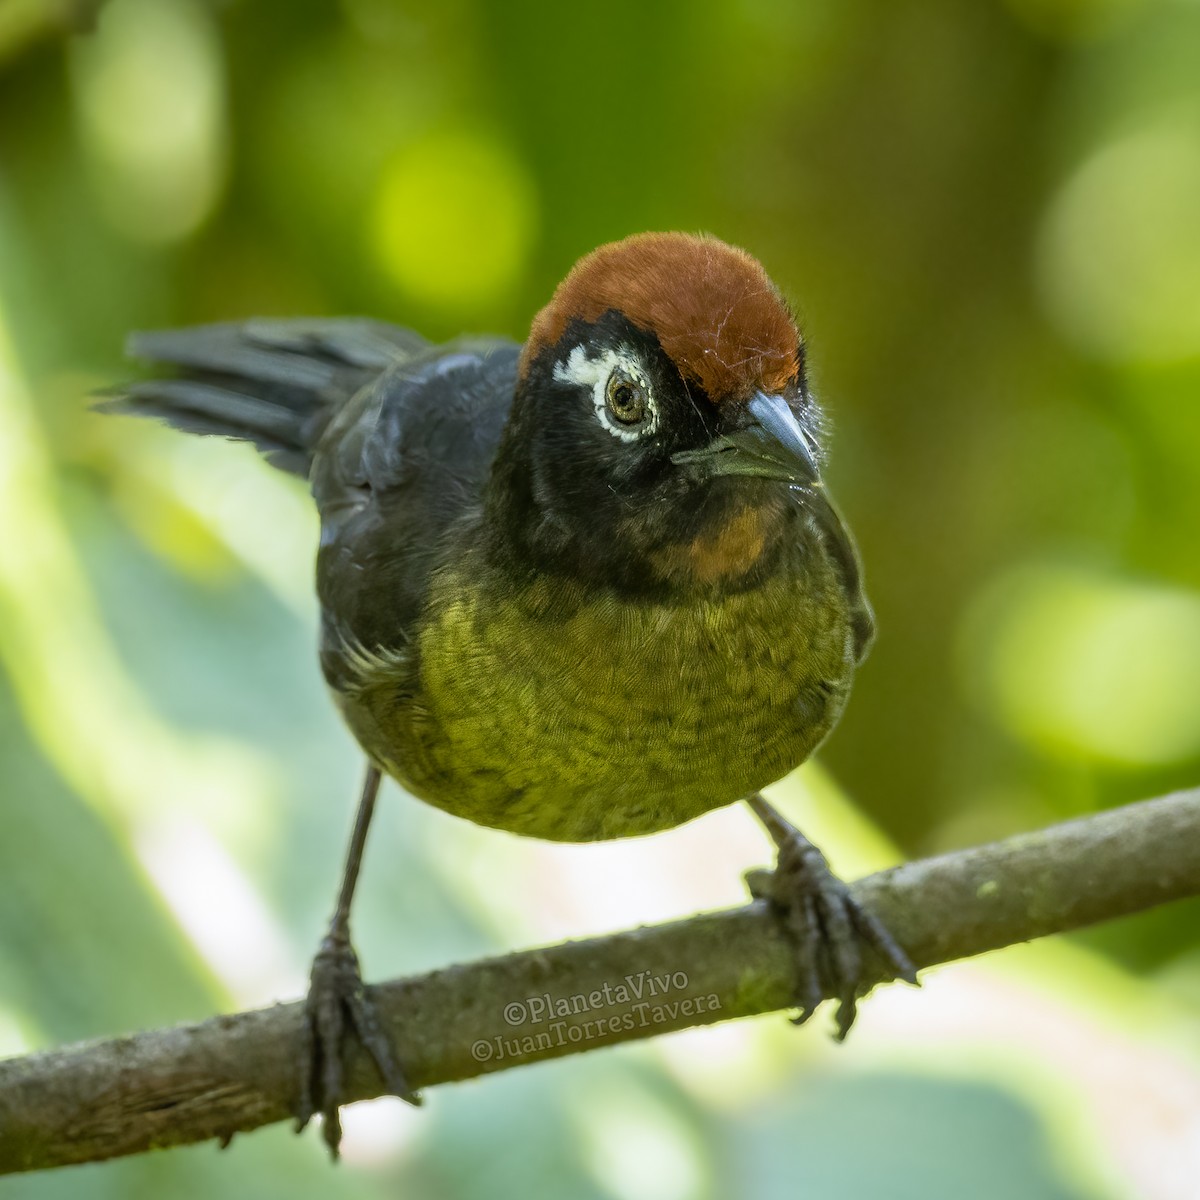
839	545
397	475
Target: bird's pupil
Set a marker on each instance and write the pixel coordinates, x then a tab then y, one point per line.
625	400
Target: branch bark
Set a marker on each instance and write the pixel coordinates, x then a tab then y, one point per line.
103	1099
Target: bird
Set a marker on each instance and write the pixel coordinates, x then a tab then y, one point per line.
588	586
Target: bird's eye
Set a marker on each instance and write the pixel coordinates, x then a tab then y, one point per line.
619	388
626	399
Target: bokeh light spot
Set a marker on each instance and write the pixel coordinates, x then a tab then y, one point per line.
149	99
454	216
1120	250
1082	664
639	1149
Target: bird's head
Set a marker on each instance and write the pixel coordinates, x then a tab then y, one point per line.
661	421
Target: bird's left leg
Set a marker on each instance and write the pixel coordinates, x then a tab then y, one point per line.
827	926
338	1004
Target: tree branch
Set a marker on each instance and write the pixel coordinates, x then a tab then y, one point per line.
168	1087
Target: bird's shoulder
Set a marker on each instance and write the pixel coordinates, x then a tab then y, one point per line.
440	410
398	472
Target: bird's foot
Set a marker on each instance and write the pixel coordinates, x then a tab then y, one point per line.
337	1007
828	927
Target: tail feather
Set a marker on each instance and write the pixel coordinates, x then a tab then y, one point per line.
228	350
281	433
273	383
354	341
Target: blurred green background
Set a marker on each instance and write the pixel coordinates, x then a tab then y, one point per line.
987	216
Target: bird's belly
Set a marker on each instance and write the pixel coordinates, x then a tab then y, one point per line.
615	720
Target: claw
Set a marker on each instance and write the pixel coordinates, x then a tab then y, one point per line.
339	1005
827	926
876	934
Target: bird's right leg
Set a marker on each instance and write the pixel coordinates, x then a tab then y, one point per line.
829	928
338	1004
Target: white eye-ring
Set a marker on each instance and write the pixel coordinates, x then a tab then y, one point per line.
621	392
